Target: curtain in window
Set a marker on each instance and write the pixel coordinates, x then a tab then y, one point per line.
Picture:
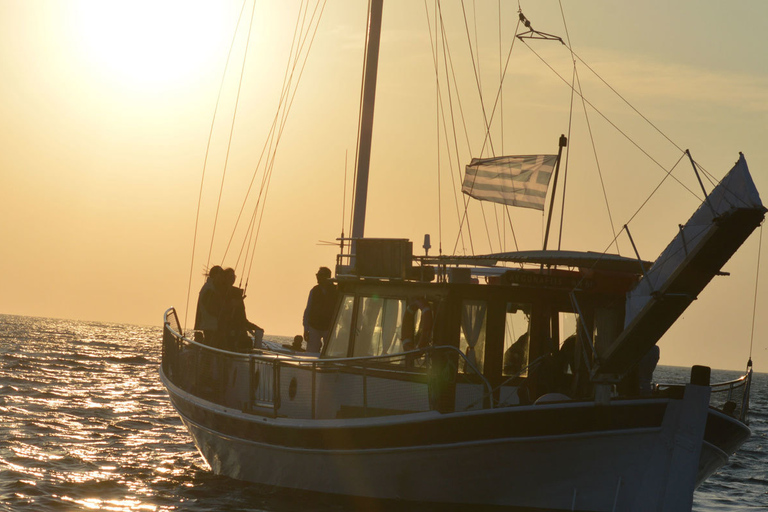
367	337
339	342
473	327
391	316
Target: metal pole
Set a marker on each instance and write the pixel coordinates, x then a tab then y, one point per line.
563	143
701	184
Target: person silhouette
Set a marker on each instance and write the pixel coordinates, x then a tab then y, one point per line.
318	314
233	323
209	304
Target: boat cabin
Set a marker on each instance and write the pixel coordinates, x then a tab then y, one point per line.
529	330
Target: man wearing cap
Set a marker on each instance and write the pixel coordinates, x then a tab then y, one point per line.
318	314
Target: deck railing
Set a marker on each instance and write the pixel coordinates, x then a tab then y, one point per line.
310	387
732	397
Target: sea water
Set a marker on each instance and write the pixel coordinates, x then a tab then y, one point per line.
85	424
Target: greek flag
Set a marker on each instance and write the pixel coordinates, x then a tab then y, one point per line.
513	180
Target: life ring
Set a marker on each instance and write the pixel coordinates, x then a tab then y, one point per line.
408	329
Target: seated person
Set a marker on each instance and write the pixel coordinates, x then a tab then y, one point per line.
421	338
296	345
638	381
516	356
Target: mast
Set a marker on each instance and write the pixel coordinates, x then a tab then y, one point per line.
366	119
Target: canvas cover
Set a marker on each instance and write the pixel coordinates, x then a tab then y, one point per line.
735	191
722	223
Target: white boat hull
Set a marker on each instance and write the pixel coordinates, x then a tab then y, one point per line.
642	468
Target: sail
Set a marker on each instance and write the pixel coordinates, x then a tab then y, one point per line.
704	244
513	180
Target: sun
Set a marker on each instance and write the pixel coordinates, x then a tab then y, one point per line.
154	43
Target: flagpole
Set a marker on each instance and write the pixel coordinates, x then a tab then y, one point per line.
563	143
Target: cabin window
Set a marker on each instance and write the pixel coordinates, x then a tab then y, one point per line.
568	341
517	340
609	322
377	331
474	315
568	325
338	344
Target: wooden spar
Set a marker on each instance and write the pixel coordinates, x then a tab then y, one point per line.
563	142
366	120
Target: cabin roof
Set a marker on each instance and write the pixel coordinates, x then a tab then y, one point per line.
588	259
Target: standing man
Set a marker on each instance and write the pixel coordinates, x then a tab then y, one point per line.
209	305
319	311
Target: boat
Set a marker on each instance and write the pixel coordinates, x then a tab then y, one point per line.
514	379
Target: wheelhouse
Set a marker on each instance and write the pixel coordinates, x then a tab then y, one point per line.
527	331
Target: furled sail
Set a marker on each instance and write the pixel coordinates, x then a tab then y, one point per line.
513	180
704	244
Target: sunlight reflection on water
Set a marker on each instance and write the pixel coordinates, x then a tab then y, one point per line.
85	424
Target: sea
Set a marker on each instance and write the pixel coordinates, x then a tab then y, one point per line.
85	424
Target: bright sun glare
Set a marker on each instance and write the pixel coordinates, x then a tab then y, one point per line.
152	43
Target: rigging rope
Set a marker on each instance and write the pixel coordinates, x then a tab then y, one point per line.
619	130
477	77
270	147
487	133
591	138
478	82
273	138
754	304
270	137
205	163
512	228
285	115
505	208
437	130
231	132
652	193
477	44
625	228
455	172
574	76
597	164
567	155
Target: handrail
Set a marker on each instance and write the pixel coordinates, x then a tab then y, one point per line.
168	312
204	346
278	360
739	405
295	358
730	383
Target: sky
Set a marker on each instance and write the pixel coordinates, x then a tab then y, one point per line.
106	111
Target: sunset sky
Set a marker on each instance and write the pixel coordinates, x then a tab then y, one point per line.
106	109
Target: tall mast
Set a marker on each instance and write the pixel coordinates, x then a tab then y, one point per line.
366	119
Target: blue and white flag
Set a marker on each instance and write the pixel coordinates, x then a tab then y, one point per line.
513	180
